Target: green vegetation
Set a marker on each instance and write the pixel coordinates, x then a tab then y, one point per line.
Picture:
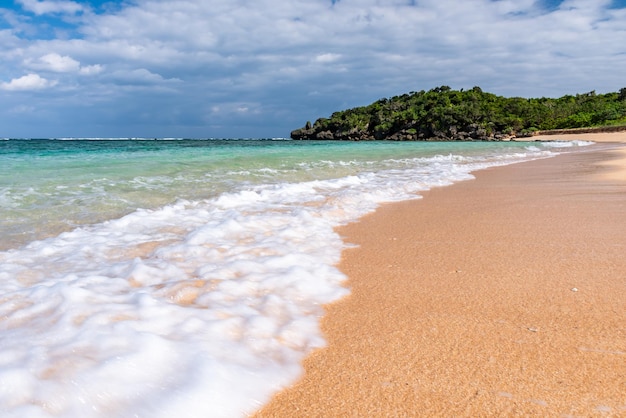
446	114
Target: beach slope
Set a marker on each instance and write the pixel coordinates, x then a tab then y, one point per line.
500	296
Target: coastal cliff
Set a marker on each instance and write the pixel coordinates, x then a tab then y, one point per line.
443	114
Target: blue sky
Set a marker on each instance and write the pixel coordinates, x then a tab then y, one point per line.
260	68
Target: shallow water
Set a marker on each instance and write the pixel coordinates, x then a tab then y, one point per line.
147	278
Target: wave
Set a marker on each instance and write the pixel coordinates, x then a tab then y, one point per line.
200	308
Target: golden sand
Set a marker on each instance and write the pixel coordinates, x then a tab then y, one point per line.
595	137
500	296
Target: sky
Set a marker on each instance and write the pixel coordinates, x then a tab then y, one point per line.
261	68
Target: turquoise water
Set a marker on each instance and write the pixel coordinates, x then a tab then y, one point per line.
186	278
50	186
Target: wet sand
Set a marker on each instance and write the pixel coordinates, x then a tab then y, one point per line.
500	296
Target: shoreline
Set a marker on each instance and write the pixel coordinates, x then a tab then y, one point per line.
618	137
496	296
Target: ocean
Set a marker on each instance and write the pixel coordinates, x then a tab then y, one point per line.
159	278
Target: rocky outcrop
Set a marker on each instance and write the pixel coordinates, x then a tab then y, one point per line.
473	132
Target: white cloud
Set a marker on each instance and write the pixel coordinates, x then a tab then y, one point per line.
27	82
57	63
140	76
91	69
308	58
327	58
49	6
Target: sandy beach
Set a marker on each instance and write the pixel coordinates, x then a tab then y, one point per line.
619	137
499	296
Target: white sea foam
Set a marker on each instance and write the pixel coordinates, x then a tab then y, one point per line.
567	144
196	309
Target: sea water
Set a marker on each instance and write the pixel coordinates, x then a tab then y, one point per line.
186	277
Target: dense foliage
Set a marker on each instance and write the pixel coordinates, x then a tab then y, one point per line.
443	113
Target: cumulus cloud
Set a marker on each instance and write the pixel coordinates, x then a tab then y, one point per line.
54	62
48	6
140	77
57	63
309	58
27	82
91	69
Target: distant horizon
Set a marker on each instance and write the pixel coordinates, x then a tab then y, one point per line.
143	138
287	137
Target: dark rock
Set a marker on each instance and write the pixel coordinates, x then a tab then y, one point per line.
324	135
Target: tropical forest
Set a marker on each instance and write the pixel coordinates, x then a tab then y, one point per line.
446	114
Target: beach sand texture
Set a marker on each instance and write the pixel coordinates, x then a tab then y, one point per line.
500	296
